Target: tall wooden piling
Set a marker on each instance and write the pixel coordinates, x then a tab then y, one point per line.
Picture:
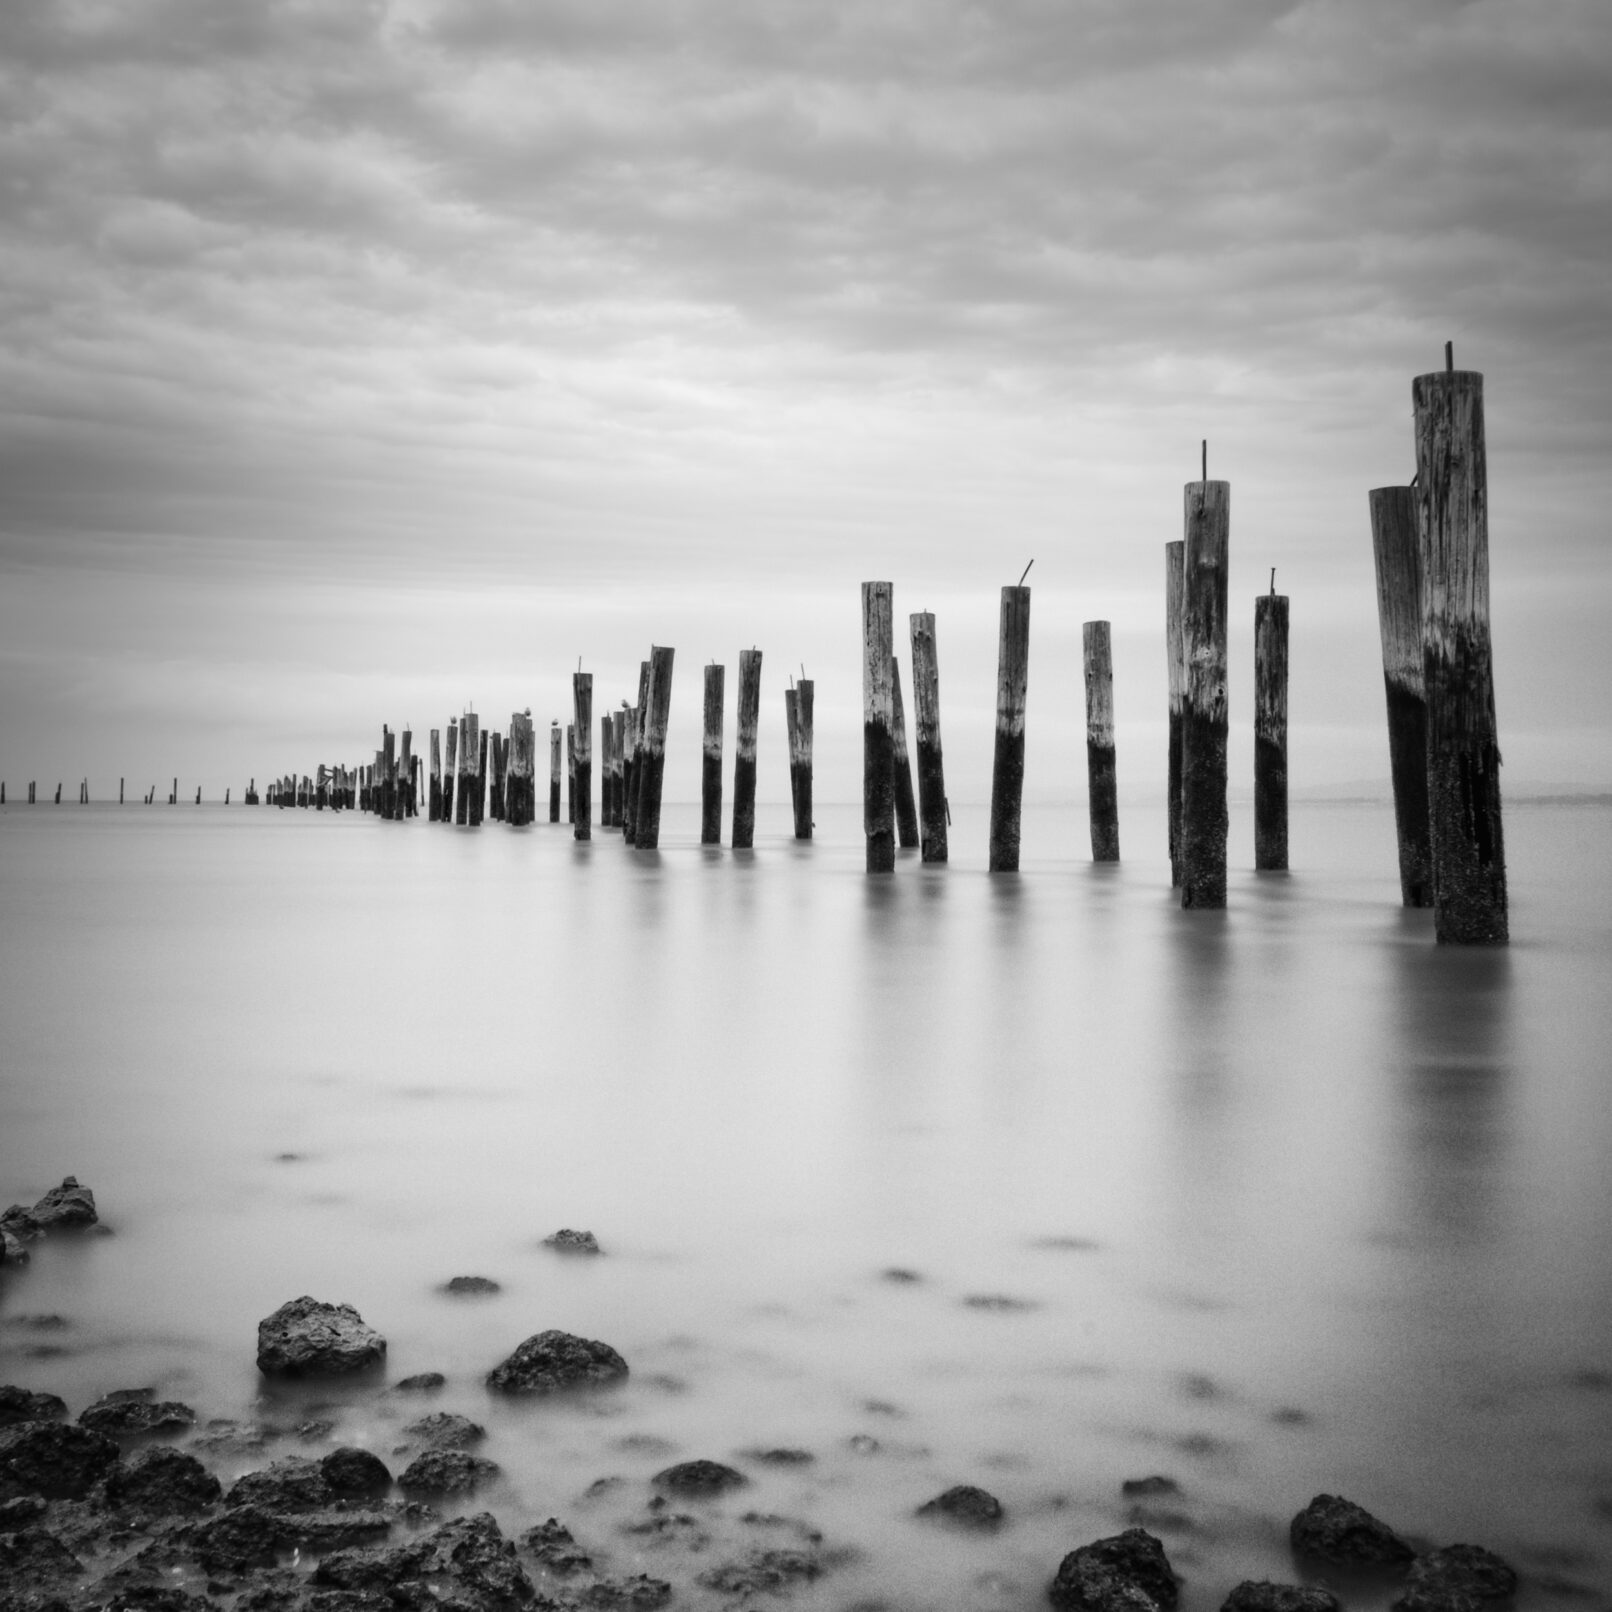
619	721
744	750
805	691
1204	716
1102	787
711	756
1463	752
878	748
1270	731
636	716
606	786
571	773
450	776
1007	770
387	806
521	800
554	772
652	753
1175	661
120	793
1396	552
792	738
906	806
478	794
434	802
932	825
582	709
405	774
465	797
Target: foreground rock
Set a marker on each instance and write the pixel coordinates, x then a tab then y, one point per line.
19	1405
1126	1572
964	1506
50	1459
554	1546
292	1484
128	1411
1263	1596
555	1360
68	1207
1456	1579
698	1479
1332	1529
468	1558
306	1338
162	1481
351	1472
446	1472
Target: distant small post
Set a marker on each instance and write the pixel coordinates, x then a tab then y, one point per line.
582	708
1101	783
554	772
405	773
878	749
120	793
1463	751
1175	660
652	753
1204	718
1270	731
906	806
1007	769
926	735
805	690
744	750
711	757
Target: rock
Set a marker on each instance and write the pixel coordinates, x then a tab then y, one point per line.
58	1461
1454	1577
566	1241
292	1484
240	1539
1262	1596
640	1593
375	1567
446	1472
469	1551
999	1303
19	1405
900	1276
350	1471
422	1382
965	1506
782	1457
34	1557
553	1360
476	1554
1126	1572
1331	1529
306	1338
156	1598
698	1479
12	1251
161	1481
472	1285
135	1410
68	1207
763	1572
551	1544
446	1430
1143	1488
19	1513
333	1528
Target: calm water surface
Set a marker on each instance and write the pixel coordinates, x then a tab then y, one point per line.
1277	1201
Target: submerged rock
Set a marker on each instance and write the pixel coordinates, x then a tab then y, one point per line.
1147	1488
162	1481
293	1483
12	1251
471	1285
698	1478
20	1405
239	1540
470	1553
639	1593
552	1544
422	1382
1332	1529
763	1572
965	1506
127	1411
350	1471
60	1462
446	1472
566	1241
1452	1579
1262	1596
1126	1572
69	1207
446	1430
554	1360
307	1338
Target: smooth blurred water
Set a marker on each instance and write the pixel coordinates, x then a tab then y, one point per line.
1282	1200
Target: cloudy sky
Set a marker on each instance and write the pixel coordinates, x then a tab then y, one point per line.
362	361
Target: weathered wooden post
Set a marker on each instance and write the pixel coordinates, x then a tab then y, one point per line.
478	794
524	768
711	757
450	774
744	750
605	792
792	736
571	773
198	794
469	765
620	722
926	734
1396	552
1204	717
652	753
1174	655
1012	685
173	799
386	808
582	709
878	751
554	772
1463	751
906	806
805	691
434	802
1101	784
120	793
32	802
1270	731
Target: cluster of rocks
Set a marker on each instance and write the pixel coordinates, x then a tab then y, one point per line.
69	1207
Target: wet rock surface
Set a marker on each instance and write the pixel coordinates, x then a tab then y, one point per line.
1126	1572
1262	1596
446	1430
69	1207
553	1360
349	1472
21	1405
964	1506
472	1286
293	1483
136	1410
698	1479
1332	1529
566	1241
305	1337
422	1382
552	1544
1455	1579
52	1459
446	1472
162	1481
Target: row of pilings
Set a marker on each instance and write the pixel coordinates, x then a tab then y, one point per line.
149	799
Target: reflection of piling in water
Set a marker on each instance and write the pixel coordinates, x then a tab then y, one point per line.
1270	731
1174	651
878	754
554	773
800	757
901	765
582	708
1101	785
744	750
652	753
1463	752
1007	769
1204	717
711	756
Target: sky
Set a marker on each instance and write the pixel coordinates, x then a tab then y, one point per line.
368	362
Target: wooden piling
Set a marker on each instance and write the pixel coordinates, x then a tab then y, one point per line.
792	738
386	808
1396	552
906	805
632	778
582	708
932	824
1174	654
1270	731
878	750
120	793
805	691
711	757
604	770
571	773
173	799
1007	770
404	803
469	785
744	750
1204	717
434	800
620	721
652	754
521	800
1463	753
1102	787
450	776
31	792
554	772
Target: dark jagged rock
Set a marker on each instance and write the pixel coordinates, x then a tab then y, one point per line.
136	1410
446	1430
446	1472
640	1593
1332	1529
239	1540
69	1207
58	1461
553	1360
34	1557
350	1471
19	1405
1126	1572
1147	1488
566	1241
422	1382
333	1528
551	1544
162	1481
1452	1579
21	1512
698	1479
306	1338
156	1598
1262	1596
763	1572
470	1552
472	1285
474	1551
273	1590
375	1567
965	1506
293	1483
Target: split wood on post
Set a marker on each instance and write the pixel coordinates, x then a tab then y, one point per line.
744	750
926	736
652	753
878	754
1174	654
1463	750
1204	715
1101	783
906	806
582	709
1270	731
1007	768
711	757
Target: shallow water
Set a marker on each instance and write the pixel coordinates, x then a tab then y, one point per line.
1278	1201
